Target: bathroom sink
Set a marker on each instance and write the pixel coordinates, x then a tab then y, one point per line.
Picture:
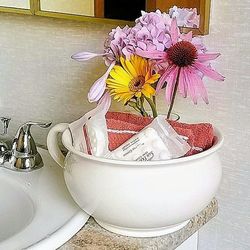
13	203
36	210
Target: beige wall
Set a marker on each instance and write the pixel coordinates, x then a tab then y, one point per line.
25	4
78	7
40	81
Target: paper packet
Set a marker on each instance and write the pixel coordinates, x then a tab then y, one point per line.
157	141
89	133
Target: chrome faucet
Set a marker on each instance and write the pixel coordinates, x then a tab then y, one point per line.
23	154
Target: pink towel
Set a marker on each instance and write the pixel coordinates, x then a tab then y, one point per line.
122	126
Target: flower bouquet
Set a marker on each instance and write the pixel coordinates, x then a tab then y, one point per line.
143	187
152	56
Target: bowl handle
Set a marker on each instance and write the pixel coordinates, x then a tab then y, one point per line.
52	143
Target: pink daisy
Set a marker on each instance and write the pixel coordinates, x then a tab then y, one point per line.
187	63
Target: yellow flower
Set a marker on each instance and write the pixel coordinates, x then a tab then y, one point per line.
132	79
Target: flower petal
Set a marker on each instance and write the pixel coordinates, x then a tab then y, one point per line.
174	31
201	88
163	78
116	82
153	54
147	90
207	56
105	101
209	72
129	67
98	88
138	94
152	79
119	72
187	37
182	87
190	81
84	56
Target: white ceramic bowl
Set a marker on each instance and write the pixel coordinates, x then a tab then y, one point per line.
141	199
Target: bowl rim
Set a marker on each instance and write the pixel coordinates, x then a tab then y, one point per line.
219	139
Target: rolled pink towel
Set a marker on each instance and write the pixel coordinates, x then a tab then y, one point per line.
122	126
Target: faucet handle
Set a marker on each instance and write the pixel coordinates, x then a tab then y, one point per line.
5	142
24	142
5	121
26	126
40	124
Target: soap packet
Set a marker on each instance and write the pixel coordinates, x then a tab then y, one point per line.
89	133
157	141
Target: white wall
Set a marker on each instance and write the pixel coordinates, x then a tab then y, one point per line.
230	34
38	80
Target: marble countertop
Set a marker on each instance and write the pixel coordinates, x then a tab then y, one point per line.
94	237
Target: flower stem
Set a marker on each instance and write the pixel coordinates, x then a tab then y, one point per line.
152	106
142	107
134	106
138	107
154	100
174	94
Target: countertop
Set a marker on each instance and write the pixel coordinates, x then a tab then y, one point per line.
94	237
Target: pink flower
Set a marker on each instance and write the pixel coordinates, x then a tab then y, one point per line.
185	64
113	47
151	32
185	17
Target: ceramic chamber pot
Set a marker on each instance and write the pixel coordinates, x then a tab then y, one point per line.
141	199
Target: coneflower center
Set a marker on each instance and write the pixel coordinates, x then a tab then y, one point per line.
136	83
182	54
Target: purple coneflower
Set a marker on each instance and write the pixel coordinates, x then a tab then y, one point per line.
187	63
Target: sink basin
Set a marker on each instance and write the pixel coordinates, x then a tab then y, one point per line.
13	202
36	210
